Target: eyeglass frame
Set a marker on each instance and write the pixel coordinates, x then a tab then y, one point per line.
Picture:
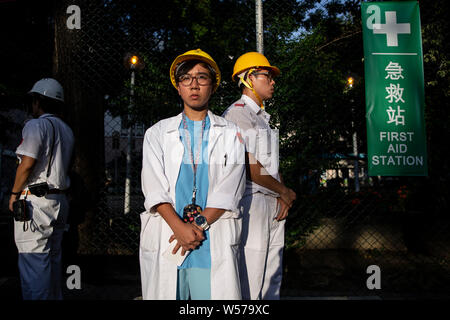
269	75
180	79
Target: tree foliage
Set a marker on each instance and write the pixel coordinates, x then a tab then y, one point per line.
190	25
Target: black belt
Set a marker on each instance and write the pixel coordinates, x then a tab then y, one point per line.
51	191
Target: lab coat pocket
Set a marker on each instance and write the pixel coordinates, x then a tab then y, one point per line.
227	165
238	231
150	232
229	230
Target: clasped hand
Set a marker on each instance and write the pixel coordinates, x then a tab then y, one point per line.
188	237
285	202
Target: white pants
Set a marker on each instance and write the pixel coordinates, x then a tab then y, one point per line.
261	248
39	247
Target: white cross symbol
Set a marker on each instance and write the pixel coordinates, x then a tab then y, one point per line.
391	28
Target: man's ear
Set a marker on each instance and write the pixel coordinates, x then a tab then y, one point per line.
251	77
35	104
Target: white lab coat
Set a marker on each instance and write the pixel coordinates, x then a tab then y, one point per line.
162	156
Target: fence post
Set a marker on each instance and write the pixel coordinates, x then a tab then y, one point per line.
127	195
355	151
1	171
259	26
356	165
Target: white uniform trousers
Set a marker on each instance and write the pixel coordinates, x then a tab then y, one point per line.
261	248
40	247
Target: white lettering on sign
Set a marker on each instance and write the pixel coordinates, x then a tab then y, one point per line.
396	136
394	148
394	71
397	148
397	160
394	93
395	116
391	28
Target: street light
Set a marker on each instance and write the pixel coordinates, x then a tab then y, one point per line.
132	62
350	83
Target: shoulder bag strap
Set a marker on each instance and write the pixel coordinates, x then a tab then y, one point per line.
51	150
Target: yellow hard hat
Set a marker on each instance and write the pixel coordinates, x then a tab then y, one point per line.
197	54
252	60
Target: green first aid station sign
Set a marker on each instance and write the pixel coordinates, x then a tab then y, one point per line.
394	83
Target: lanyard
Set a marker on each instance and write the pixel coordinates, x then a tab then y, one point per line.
194	164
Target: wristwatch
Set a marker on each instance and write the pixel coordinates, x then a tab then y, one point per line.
201	222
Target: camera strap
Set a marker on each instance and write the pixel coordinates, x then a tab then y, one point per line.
51	149
45	184
29	224
25	223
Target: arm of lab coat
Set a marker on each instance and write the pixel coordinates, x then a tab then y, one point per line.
155	185
229	188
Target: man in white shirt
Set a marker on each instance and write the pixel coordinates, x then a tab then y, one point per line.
266	200
45	156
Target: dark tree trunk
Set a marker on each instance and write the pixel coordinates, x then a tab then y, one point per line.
83	111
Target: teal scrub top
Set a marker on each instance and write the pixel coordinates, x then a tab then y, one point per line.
200	257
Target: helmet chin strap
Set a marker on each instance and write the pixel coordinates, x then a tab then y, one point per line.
250	86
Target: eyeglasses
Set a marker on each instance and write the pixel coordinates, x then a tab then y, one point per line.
202	79
267	74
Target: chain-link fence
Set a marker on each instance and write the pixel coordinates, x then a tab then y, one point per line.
343	220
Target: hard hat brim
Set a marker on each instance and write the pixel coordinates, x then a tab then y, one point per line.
48	88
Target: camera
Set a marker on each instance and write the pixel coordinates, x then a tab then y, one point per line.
38	189
20	210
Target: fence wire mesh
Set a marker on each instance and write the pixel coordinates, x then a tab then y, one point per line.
341	222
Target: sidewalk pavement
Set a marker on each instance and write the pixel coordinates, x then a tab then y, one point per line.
102	278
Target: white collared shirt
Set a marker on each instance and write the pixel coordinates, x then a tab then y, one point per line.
260	139
37	140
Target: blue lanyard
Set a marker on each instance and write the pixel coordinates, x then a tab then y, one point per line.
194	164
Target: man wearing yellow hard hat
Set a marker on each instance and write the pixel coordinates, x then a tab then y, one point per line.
193	176
266	199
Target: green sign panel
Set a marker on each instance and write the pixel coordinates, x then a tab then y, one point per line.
394	83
